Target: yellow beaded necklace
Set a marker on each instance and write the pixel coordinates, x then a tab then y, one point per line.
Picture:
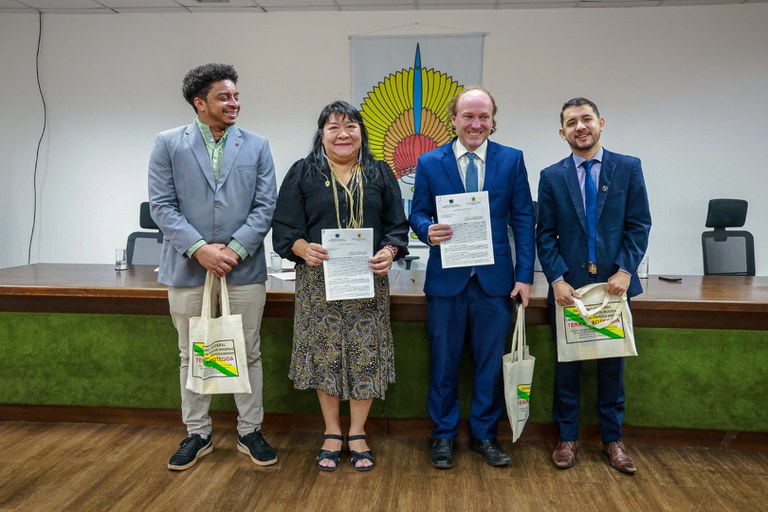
355	185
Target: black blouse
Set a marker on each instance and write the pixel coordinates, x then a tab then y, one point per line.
305	207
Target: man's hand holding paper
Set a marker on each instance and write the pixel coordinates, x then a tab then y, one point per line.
467	242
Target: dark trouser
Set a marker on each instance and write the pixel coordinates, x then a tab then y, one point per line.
486	321
610	396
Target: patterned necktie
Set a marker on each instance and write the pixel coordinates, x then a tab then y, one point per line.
590	205
471	178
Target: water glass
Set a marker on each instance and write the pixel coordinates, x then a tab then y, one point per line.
121	261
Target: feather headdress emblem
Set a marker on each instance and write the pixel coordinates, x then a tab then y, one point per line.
405	116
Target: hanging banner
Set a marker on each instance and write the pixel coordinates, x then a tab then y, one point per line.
403	85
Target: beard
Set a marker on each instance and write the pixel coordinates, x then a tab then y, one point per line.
589	144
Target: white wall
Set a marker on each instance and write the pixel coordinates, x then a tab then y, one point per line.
682	88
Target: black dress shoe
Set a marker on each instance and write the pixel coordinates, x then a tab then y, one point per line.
491	451
442	453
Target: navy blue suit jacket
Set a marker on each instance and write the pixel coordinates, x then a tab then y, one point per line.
623	222
506	182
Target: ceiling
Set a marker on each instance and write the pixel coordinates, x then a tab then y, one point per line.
264	6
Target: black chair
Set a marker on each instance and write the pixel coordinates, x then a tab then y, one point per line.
728	252
409	260
143	247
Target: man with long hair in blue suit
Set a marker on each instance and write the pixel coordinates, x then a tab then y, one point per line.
473	302
575	251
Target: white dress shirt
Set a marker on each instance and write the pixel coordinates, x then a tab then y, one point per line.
462	160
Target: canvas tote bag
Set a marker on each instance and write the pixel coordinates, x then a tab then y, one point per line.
597	326
218	362
518	377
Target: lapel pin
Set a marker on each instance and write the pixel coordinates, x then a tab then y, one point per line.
605	188
237	144
327	183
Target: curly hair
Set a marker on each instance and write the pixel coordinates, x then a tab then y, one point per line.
198	81
345	111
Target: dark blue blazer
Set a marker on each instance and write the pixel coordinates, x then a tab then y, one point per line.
506	181
623	222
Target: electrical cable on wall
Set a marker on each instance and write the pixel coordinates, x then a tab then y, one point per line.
40	141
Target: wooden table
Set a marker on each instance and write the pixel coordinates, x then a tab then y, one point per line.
716	302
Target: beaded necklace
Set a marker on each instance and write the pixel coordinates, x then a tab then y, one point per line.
355	185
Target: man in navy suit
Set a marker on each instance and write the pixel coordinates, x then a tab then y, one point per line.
212	192
573	255
472	302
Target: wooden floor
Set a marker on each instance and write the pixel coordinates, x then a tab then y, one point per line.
93	467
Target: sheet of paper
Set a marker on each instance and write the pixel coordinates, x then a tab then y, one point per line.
469	216
347	275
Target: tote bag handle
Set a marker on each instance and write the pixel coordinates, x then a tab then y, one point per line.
580	304
606	299
208	291
518	336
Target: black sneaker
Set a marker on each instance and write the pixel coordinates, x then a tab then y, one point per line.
190	449
257	448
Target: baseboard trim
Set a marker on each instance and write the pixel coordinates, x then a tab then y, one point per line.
419	427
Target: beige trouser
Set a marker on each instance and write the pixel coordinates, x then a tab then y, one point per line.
248	301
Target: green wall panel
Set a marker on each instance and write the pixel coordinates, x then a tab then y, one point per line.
683	378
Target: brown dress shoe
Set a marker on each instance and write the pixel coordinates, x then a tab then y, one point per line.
564	455
620	459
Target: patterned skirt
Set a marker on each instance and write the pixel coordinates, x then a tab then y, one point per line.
343	348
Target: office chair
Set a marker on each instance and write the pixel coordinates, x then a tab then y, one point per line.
727	252
143	247
409	261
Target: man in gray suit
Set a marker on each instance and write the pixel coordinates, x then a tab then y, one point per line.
212	193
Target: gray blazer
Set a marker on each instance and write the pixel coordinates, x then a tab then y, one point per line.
187	205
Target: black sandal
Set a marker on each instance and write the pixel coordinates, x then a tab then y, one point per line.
355	457
333	456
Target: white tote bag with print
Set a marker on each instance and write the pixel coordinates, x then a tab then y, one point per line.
218	362
518	377
597	326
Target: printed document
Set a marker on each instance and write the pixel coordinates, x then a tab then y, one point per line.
469	216
347	275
